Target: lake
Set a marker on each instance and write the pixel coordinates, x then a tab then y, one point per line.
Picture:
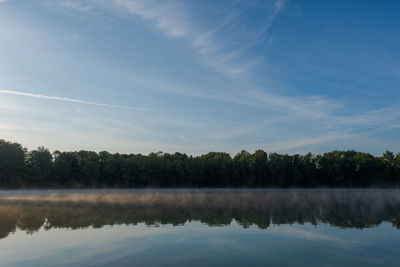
200	227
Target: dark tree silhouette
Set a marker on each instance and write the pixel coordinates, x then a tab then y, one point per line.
20	168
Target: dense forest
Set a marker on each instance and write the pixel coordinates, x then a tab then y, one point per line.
20	168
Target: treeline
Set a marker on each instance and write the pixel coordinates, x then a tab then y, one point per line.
20	168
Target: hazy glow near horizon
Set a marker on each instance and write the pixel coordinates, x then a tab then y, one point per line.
197	76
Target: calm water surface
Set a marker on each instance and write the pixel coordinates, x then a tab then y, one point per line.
200	228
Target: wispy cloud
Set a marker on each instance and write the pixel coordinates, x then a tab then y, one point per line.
312	107
221	44
261	36
375	117
223	41
75	5
168	16
70	100
297	143
175	20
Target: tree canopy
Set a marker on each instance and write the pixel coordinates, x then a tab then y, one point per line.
20	168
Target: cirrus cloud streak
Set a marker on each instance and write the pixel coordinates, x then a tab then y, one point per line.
70	100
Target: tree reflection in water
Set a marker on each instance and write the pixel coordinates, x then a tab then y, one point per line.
29	211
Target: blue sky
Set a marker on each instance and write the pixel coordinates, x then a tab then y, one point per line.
197	76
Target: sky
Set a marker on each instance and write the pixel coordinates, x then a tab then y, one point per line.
140	76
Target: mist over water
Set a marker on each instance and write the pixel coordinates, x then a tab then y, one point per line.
207	214
357	208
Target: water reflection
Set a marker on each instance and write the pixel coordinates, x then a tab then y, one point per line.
29	211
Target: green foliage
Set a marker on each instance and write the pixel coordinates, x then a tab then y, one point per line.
40	168
12	164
